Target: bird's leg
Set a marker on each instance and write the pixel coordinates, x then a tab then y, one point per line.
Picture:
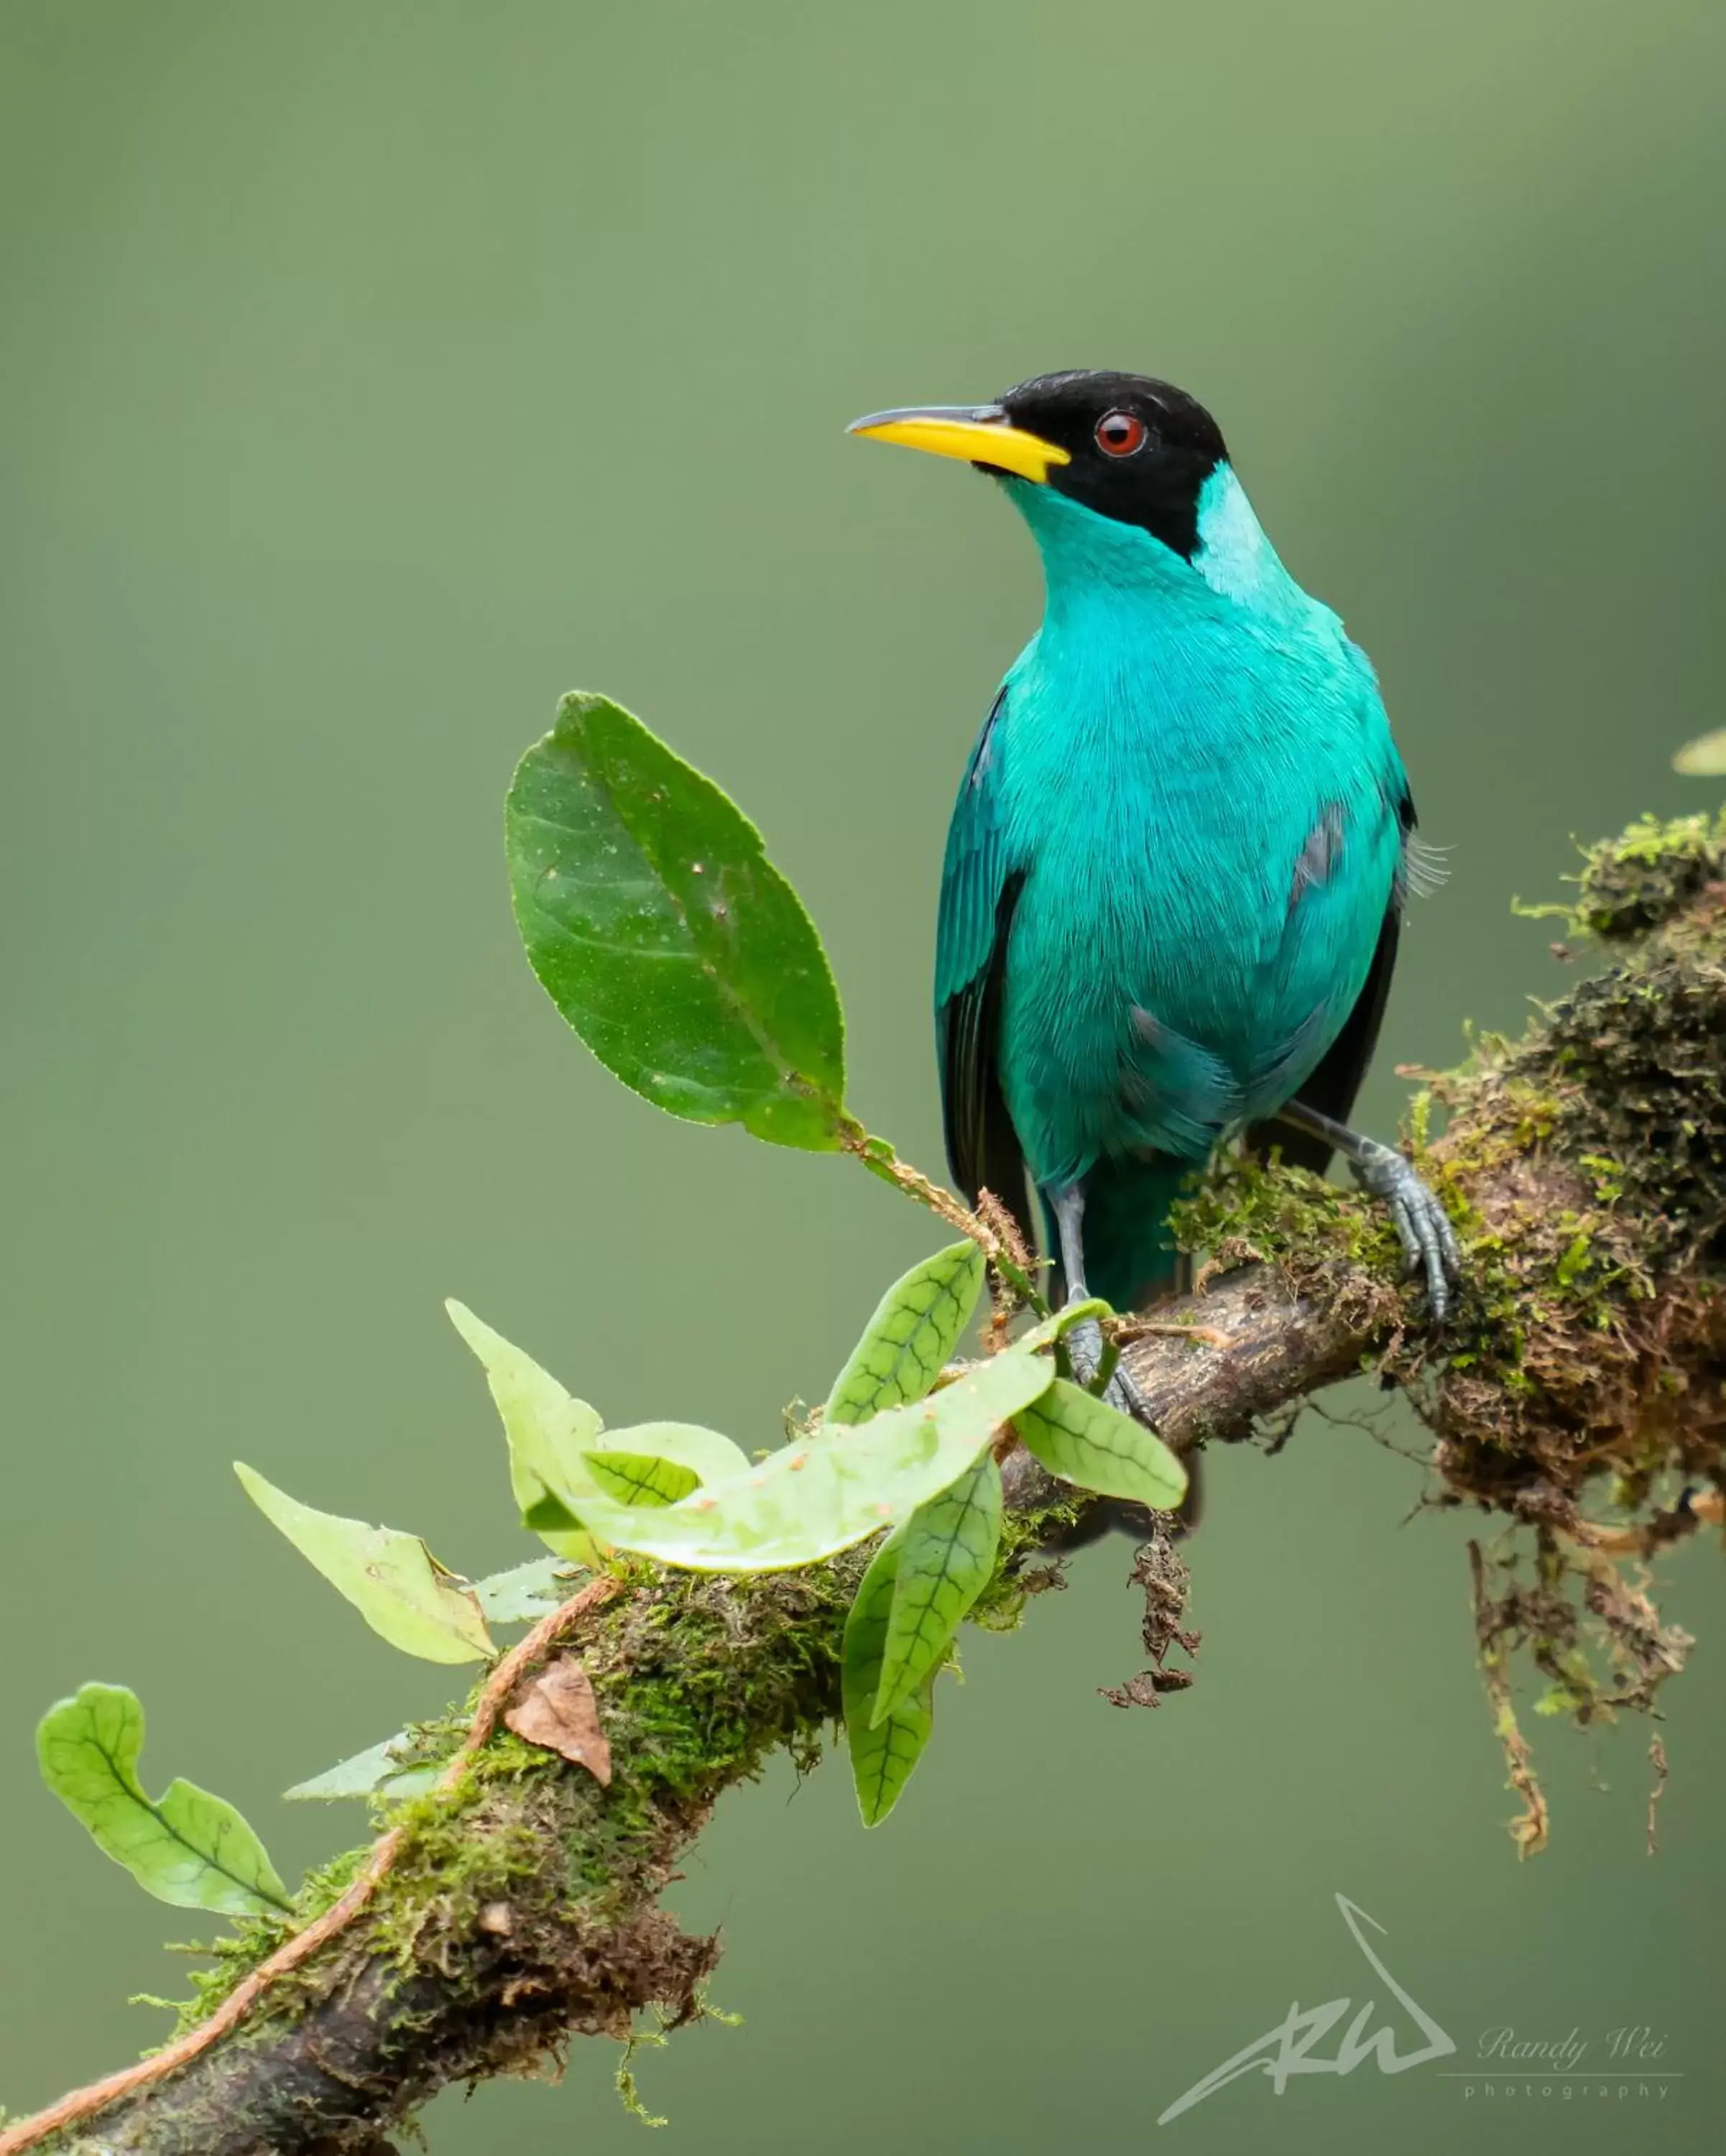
1085	1343
1428	1241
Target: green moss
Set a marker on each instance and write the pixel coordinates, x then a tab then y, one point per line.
1016	1579
629	2089
234	1955
1644	878
1586	1163
1245	1211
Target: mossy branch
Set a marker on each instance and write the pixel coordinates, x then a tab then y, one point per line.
1584	1373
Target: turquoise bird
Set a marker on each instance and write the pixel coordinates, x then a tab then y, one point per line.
1176	868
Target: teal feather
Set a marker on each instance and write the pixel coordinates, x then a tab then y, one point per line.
1172	875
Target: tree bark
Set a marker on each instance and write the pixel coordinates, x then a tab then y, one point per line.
1586	1169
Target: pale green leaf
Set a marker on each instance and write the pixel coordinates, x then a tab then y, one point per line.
946	1552
921	1319
186	1846
810	1499
1704	757
527	1592
1085	1440
708	1455
649	1463
641	1478
667	939
391	1579
546	1427
883	1754
378	1771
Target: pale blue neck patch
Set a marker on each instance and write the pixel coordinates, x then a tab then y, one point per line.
1237	561
1092	561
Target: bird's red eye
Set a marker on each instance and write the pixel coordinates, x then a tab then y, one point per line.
1118	434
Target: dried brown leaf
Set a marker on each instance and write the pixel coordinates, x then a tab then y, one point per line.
558	1711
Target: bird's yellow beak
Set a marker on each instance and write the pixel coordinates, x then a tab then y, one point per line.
979	434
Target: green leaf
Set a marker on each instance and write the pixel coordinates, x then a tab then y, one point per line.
946	1552
186	1846
1060	1323
809	1500
642	1478
882	1753
666	937
552	1521
375	1771
546	1427
1705	758
525	1593
1085	1440
391	1579
920	1320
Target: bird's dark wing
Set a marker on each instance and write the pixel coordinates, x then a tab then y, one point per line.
979	891
1332	1087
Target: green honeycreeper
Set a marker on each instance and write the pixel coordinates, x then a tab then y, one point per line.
1175	872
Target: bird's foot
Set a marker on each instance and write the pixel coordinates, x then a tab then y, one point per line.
1085	1351
1423	1227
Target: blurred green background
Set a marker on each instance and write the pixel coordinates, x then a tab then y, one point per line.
368	375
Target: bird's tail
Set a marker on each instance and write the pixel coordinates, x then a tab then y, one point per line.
1131	1261
1130	1258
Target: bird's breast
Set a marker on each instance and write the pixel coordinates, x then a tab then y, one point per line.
1176	802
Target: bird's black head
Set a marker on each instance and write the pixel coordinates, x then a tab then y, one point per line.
1138	450
1129	447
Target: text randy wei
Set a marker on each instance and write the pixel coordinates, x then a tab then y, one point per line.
1620	2063
1627	2047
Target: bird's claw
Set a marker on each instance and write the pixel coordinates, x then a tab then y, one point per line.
1085	1351
1429	1242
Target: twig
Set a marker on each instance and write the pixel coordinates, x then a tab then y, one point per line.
1656	1759
1129	1329
1702	1508
881	1161
1530	1830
